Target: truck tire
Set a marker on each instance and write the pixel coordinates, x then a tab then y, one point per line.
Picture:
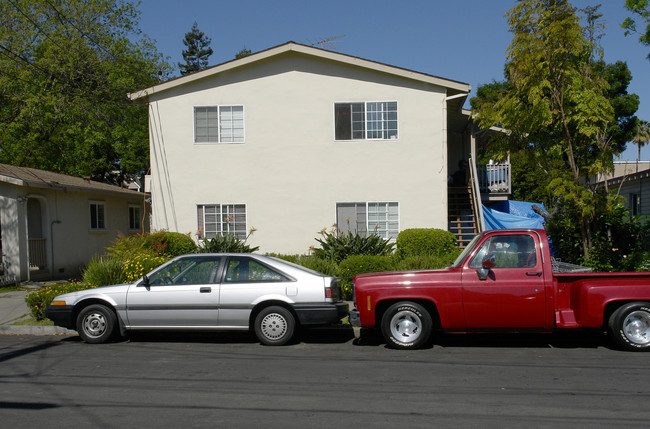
274	326
96	323
406	325
629	326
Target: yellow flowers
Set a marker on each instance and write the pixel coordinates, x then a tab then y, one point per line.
140	265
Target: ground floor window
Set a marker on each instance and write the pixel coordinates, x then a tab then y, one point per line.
97	215
221	219
364	218
135	217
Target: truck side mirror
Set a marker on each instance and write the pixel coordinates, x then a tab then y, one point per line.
488	263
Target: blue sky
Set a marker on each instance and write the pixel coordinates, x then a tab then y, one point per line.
459	40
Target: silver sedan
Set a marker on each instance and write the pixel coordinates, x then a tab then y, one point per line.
207	292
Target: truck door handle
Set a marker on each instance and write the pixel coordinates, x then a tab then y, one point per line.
534	273
205	290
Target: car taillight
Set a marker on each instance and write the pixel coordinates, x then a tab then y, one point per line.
332	291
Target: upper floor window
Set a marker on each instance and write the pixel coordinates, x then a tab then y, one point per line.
375	120
381	218
222	219
635	204
97	216
219	124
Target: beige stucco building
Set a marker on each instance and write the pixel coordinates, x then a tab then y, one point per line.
294	139
51	224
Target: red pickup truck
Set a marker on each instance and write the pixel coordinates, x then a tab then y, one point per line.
504	280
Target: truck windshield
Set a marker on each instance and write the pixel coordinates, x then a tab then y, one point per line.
466	251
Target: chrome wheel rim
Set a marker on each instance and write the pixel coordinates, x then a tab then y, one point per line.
405	327
636	327
273	326
94	324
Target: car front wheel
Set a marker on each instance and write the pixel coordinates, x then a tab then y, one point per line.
630	326
406	325
274	326
96	323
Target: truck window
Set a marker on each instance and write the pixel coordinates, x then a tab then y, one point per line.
509	251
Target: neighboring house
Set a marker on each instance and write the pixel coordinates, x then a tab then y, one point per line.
294	139
52	224
634	187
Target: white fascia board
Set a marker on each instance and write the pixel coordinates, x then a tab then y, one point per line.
308	50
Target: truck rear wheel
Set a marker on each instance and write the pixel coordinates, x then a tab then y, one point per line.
406	325
630	326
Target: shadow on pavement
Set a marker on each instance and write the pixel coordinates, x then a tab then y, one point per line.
313	335
562	340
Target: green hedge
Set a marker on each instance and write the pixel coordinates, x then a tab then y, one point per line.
38	300
426	241
360	264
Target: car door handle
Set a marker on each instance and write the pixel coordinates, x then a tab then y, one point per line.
205	290
534	273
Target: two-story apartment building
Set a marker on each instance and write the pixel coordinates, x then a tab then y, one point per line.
294	139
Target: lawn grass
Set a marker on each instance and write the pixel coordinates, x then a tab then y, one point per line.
30	321
11	288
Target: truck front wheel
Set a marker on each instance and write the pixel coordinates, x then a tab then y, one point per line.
406	325
630	326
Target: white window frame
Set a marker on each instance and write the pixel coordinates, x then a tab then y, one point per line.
222	225
367	120
137	216
220	138
387	233
100	221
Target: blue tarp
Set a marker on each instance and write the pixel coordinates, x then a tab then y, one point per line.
512	214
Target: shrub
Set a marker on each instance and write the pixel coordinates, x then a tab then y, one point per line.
126	247
324	266
169	243
227	243
426	241
103	271
360	264
140	265
336	246
38	300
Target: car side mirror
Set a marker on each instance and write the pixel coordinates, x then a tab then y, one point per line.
145	281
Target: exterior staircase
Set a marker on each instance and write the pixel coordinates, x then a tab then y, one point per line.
462	221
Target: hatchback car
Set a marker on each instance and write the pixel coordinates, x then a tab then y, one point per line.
207	292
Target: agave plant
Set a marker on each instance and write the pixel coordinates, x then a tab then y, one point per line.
338	246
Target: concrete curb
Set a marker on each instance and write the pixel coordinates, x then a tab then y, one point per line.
34	330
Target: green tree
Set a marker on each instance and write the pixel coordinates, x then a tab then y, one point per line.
642	136
66	67
243	53
640	8
555	106
197	53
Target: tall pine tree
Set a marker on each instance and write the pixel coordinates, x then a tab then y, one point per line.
197	52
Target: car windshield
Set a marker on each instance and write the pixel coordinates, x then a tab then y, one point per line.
466	251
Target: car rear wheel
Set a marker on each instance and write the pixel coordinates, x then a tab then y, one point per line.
96	323
406	325
630	326
275	326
